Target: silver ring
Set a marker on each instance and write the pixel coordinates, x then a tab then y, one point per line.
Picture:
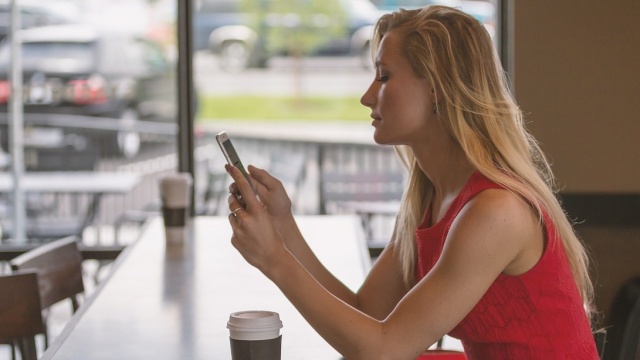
236	210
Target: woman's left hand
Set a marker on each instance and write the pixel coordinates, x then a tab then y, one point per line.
254	234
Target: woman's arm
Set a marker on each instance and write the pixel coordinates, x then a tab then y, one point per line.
377	297
487	237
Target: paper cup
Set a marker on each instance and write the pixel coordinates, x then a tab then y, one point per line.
255	335
175	193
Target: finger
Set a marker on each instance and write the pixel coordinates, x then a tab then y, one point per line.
235	195
233	222
248	196
233	202
263	177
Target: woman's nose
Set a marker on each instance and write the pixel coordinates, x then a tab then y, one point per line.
367	99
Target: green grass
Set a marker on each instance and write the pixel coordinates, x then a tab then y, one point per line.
280	108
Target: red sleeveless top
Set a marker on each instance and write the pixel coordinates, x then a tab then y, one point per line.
536	315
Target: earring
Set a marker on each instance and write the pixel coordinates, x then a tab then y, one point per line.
435	109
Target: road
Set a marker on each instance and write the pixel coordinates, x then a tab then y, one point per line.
334	76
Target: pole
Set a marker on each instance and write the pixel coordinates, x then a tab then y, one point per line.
15	127
186	91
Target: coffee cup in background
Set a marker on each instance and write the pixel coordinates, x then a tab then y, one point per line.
175	193
255	335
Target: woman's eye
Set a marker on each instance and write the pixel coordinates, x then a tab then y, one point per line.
382	78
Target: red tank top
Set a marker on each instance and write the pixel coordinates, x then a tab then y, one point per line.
536	315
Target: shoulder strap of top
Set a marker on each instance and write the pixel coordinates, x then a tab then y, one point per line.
476	184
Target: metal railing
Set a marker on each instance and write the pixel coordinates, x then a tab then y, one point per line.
328	150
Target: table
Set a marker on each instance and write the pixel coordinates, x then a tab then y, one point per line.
95	184
98	182
174	302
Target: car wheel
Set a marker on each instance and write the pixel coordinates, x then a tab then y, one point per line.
127	139
234	56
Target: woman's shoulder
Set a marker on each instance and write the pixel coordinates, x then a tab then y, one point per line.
501	220
498	202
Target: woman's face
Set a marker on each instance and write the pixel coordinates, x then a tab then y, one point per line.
401	103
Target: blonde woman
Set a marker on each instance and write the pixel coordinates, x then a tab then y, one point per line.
482	249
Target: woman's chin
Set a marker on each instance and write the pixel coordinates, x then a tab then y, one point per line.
378	138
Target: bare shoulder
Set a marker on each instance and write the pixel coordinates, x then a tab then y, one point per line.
499	204
501	226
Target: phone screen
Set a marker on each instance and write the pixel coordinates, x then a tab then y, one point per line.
231	155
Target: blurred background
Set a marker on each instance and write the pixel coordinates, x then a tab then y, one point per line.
99	89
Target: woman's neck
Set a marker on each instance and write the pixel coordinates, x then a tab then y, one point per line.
448	171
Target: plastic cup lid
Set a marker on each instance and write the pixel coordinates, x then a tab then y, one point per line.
254	321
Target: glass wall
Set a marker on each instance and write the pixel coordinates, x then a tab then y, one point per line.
99	113
99	95
285	77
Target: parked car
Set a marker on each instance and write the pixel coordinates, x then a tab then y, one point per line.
392	5
220	26
482	10
34	13
100	85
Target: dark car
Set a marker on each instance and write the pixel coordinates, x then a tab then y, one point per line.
97	84
221	26
34	13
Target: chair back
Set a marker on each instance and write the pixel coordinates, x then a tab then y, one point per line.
59	268
20	312
630	347
623	334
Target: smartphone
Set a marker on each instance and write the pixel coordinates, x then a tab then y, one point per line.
231	155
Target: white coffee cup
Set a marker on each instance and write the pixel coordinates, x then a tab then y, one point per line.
175	193
255	335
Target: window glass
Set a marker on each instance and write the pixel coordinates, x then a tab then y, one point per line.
276	69
99	108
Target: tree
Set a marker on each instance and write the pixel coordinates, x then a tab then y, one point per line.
296	28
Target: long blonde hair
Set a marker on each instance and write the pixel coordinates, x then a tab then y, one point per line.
454	52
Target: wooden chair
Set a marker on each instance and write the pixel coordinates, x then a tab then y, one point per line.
623	332
59	268
20	313
630	346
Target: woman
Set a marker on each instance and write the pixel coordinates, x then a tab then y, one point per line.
482	249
